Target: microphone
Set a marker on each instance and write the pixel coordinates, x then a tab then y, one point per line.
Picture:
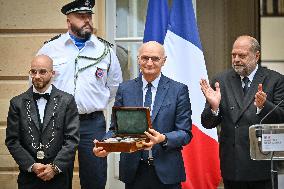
258	132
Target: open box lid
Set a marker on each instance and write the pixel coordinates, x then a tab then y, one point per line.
131	121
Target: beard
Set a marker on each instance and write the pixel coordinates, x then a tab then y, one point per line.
82	32
40	83
244	70
241	70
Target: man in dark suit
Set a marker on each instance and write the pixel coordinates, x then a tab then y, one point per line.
237	99
161	166
42	131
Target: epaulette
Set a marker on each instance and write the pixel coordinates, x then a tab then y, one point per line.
105	41
53	38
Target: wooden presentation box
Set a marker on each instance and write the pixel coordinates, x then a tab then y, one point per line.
130	124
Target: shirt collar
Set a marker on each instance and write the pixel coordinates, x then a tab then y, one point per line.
92	41
47	91
66	38
76	39
155	83
251	76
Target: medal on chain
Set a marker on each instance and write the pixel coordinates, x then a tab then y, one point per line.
40	149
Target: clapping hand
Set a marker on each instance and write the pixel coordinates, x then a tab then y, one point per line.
212	96
260	97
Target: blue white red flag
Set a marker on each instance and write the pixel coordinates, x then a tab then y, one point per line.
185	63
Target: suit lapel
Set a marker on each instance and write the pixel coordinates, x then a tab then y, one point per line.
50	107
236	85
31	106
160	95
249	98
138	101
138	92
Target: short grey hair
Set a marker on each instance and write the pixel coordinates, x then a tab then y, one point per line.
255	46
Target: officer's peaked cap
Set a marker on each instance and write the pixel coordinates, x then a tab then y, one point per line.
80	6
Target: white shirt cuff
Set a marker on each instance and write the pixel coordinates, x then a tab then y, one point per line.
215	113
258	110
30	168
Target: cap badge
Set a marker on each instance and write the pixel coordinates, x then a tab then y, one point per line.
87	3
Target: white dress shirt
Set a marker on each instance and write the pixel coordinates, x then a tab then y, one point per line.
251	76
41	103
92	93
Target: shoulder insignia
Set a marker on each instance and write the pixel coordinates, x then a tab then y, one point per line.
53	38
105	41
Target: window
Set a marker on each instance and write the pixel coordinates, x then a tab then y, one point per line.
126	32
272	7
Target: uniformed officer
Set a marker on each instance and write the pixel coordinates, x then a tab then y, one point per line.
86	67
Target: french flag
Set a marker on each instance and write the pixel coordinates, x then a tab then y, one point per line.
178	31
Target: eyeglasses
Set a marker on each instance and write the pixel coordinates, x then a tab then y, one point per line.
41	72
147	58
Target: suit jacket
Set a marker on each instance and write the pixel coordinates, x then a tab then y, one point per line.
171	116
59	131
236	114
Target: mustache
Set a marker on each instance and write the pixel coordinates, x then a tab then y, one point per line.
87	25
238	65
37	79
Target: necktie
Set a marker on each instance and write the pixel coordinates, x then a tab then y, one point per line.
246	87
38	96
146	155
148	96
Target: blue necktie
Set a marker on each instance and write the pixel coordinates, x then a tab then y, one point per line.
147	103
246	87
148	96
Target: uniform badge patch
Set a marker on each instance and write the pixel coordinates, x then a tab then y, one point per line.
87	3
99	73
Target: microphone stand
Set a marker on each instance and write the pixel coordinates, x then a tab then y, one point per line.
258	134
272	170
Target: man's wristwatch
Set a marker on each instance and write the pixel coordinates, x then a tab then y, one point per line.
165	142
54	168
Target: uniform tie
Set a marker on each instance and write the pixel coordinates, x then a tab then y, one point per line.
246	87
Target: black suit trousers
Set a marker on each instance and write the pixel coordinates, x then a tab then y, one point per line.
261	184
146	178
28	180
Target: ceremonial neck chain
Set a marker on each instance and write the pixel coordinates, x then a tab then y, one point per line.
96	61
40	148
